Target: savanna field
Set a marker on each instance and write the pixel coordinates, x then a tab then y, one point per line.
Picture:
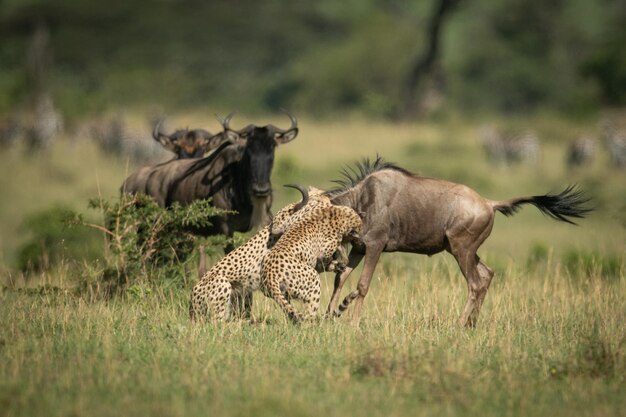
550	341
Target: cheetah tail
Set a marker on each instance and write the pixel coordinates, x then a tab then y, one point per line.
192	313
345	303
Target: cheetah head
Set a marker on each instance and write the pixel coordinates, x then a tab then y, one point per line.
312	205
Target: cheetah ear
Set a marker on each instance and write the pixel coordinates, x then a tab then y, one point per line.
361	214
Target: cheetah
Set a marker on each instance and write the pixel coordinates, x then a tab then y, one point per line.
240	270
288	269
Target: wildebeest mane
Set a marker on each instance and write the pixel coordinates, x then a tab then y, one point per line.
207	160
353	175
197	166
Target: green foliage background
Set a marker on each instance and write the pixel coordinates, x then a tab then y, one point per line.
317	57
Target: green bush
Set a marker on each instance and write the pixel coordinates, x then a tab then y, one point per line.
585	263
146	242
52	238
538	254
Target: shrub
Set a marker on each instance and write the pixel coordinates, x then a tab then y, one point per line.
145	241
585	263
53	238
538	254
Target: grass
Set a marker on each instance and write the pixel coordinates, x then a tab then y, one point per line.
546	345
551	338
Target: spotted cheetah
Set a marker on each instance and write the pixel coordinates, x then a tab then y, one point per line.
240	270
288	269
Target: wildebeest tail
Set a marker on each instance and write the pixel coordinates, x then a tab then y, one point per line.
345	303
570	203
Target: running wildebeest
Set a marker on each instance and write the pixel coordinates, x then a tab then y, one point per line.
404	212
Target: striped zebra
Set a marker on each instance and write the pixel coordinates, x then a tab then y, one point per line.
508	147
615	142
47	124
10	131
581	152
116	137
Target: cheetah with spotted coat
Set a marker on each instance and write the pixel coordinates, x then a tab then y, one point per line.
288	269
240	270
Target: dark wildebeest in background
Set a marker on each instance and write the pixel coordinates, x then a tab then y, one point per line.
186	143
236	176
403	212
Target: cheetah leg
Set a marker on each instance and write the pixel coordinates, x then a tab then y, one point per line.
273	290
309	291
211	297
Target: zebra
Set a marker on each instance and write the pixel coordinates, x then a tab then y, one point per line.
581	152
46	125
509	147
615	142
116	137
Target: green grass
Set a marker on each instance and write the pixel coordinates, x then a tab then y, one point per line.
551	339
546	344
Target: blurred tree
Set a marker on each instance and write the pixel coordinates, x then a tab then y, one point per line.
426	66
320	57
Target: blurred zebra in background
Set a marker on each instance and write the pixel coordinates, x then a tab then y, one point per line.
581	152
508	147
46	124
615	142
10	131
115	136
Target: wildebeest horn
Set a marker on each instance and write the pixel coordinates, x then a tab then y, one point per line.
226	121
156	132
226	125
305	195
294	122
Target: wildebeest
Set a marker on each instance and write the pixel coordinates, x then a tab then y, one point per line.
236	176
185	143
403	212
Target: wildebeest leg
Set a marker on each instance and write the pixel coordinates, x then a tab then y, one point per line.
463	246
202	258
340	279
372	255
486	275
201	262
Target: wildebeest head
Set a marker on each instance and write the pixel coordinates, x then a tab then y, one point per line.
258	152
187	143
